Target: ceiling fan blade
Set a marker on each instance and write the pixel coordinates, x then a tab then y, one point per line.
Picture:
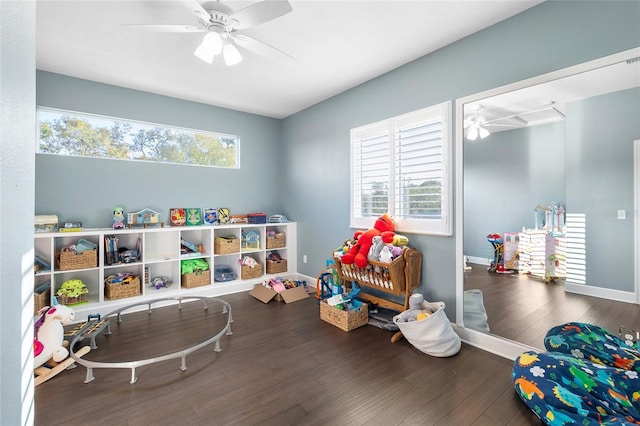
164	28
196	8
259	13
261	48
499	125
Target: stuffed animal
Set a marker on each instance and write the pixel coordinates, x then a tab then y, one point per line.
400	240
385	255
395	250
376	248
49	334
384	227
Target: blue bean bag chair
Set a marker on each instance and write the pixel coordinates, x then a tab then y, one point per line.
588	376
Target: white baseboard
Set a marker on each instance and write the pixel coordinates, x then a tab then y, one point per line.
604	293
478	260
490	343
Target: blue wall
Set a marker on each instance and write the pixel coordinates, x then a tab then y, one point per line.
88	189
548	37
505	177
600	182
299	166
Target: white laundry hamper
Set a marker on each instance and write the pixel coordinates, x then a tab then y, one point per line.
433	335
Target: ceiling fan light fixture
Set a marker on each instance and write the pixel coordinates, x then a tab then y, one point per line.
483	133
231	54
472	133
210	47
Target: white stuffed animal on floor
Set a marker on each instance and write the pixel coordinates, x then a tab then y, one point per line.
49	334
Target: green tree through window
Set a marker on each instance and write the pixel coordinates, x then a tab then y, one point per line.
76	134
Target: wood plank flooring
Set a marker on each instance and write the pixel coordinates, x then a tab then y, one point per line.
523	309
282	366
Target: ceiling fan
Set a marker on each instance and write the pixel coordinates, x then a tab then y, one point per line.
476	125
223	27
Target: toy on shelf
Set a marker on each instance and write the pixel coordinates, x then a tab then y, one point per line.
160	282
188	248
46	223
71	227
144	217
210	216
118	218
194	216
277	218
177	216
40	265
72	292
115	254
250	240
224	216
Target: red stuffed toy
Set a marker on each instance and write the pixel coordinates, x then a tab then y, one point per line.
384	227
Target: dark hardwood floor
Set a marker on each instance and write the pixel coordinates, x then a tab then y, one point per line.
523	309
282	366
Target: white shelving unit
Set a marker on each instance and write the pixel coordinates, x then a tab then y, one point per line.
160	256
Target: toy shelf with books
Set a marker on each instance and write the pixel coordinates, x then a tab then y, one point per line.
195	243
119	267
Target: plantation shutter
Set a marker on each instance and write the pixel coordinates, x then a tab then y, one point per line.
401	166
371	175
418	169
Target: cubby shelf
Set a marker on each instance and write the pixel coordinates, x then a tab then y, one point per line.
159	255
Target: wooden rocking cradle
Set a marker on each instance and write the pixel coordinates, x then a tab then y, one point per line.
398	278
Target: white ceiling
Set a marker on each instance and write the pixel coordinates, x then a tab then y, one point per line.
338	45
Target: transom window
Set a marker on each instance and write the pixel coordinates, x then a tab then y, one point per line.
86	135
401	166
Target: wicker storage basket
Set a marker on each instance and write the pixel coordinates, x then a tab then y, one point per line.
114	291
276	266
196	279
277	241
40	300
226	245
68	260
72	300
247	272
344	320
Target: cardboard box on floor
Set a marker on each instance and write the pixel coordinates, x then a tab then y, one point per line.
265	294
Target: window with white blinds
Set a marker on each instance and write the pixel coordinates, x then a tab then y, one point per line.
401	166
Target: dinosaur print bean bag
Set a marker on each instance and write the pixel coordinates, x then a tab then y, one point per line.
588	377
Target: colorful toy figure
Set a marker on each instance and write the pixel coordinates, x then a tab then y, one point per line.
194	217
223	215
178	216
118	218
210	216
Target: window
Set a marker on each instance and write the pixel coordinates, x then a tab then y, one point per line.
85	135
401	166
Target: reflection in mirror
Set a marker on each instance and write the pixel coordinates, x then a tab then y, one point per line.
548	216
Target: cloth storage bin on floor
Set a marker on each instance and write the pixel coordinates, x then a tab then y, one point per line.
432	335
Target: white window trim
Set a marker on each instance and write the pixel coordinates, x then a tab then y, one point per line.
442	226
